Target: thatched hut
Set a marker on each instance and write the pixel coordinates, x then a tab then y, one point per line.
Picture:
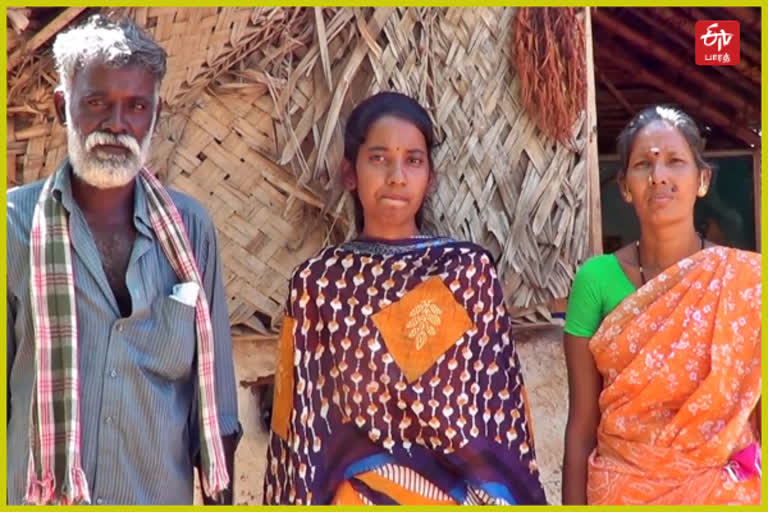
255	100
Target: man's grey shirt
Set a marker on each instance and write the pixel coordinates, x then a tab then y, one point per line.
138	403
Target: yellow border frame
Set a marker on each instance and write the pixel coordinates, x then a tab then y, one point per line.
402	3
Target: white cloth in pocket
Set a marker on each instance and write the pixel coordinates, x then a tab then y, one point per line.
186	293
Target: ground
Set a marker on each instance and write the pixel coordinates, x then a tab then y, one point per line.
541	355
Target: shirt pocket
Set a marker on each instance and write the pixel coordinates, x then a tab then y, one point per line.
169	348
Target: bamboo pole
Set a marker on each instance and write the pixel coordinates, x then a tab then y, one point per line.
679	94
592	162
677	19
616	93
615	26
44	35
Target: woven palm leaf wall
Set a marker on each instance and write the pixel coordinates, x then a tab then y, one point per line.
255	100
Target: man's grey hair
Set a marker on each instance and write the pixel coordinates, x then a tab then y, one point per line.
114	42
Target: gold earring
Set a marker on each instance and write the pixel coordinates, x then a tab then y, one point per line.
702	187
627	195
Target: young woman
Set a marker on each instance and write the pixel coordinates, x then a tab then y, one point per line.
398	381
663	343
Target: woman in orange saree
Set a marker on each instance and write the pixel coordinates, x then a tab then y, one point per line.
663	344
680	359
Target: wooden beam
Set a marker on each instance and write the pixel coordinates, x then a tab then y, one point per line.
593	165
646	96
696	103
46	33
676	19
684	38
746	15
646	14
714	88
616	93
757	184
746	21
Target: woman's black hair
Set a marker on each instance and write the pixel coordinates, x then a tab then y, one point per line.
670	115
371	110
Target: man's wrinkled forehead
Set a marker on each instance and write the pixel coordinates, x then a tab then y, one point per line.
110	60
98	75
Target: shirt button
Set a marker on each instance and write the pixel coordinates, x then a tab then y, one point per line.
120	327
109	420
113	374
99	501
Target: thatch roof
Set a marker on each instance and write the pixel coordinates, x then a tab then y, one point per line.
256	98
646	55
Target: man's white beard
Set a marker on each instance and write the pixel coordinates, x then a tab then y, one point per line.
105	170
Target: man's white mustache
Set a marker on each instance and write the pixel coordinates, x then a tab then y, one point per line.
104	138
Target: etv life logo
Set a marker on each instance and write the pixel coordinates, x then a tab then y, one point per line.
717	43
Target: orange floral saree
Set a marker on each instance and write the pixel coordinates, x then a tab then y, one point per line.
680	361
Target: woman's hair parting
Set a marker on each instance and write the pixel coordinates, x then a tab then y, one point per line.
670	115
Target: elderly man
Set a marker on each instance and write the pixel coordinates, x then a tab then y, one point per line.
120	374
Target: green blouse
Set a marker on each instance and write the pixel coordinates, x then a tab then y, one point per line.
599	286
